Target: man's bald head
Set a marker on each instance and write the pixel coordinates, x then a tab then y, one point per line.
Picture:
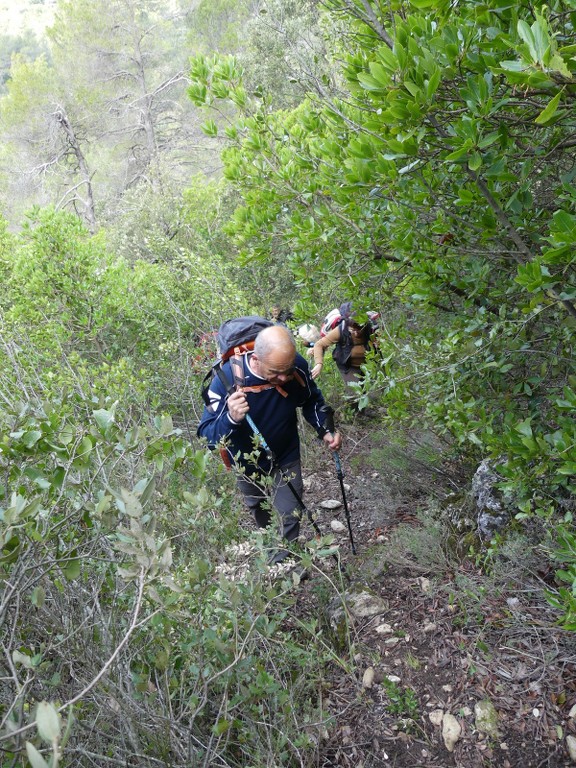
275	353
274	339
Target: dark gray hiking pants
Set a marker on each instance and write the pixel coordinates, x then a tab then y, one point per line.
259	499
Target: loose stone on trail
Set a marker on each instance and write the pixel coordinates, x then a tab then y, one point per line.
330	504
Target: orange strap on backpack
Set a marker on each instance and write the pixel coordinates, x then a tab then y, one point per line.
225	458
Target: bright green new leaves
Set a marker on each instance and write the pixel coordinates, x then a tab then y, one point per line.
215	78
540	63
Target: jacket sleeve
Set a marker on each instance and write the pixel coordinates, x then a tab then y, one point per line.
332	337
313	408
216	423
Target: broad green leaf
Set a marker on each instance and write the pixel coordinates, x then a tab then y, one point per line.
458	154
47	721
145	488
488	140
209	128
72	569
369	82
103	504
222	726
564	226
327	552
103	418
66	435
239	97
31	438
524	428
35	475
525	32
164	424
412	88
433	83
550	110
34	757
557	64
85	449
475	161
379	73
514	66
38	596
388	58
198	94
132	505
541	39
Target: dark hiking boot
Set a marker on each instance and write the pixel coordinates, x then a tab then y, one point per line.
278	555
300	571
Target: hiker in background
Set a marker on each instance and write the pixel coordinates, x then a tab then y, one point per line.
350	341
280	316
375	321
309	335
277	382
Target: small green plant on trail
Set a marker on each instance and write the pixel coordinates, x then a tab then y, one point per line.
413	661
401	701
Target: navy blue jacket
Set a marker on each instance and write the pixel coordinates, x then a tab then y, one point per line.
274	413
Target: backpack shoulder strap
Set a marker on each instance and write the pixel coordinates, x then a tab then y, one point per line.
344	333
226	383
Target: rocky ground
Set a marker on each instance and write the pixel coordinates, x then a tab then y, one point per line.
455	664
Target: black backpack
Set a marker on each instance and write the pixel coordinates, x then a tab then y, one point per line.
233	338
343	349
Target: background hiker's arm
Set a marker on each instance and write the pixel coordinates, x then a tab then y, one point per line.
332	337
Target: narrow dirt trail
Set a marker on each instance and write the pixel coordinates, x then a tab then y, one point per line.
445	641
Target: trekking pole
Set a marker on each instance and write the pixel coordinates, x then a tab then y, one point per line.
329	423
238	371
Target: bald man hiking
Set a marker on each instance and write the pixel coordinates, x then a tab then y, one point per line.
273	381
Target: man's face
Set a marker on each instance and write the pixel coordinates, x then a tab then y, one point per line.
277	368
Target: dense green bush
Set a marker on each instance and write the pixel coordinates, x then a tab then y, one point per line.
119	634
